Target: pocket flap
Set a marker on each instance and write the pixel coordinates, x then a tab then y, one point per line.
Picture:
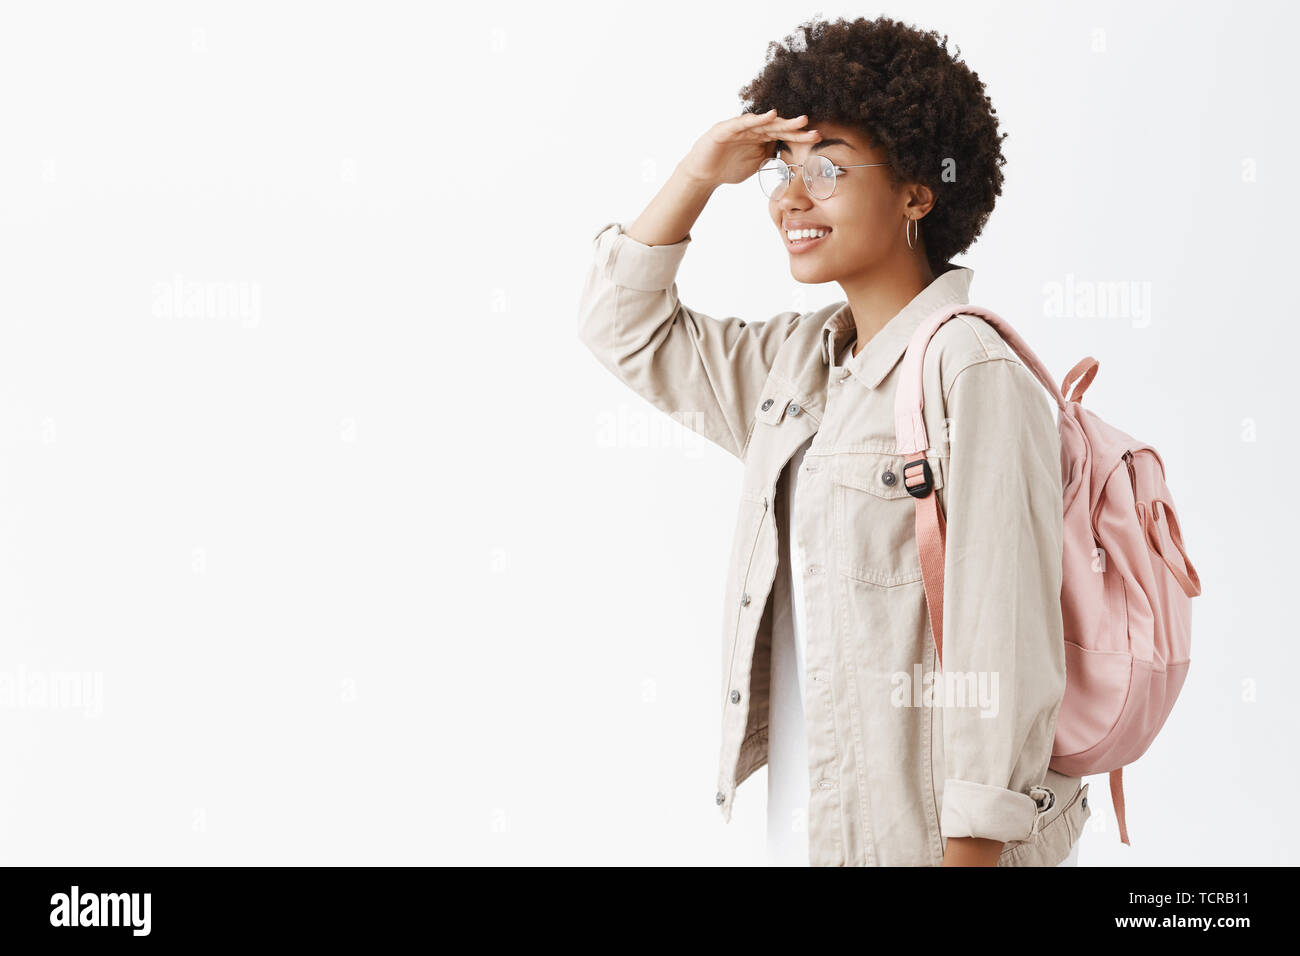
880	474
772	407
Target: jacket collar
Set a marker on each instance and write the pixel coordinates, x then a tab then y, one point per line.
883	351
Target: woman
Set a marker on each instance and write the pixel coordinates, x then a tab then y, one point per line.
879	155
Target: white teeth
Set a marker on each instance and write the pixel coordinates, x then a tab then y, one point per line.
796	234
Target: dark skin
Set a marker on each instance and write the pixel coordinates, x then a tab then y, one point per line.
866	251
971	851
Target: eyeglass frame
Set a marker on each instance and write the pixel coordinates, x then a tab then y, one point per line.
803	174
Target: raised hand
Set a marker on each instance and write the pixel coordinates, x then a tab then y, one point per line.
732	150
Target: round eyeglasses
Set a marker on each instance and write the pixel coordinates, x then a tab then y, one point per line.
819	175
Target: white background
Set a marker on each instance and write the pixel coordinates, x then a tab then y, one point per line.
383	567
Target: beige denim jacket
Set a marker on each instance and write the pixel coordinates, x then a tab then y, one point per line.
901	755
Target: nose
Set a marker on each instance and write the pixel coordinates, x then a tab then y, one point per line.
796	194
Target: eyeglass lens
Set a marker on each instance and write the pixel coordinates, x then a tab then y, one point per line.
819	172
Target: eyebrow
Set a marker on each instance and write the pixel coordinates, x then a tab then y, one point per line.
829	141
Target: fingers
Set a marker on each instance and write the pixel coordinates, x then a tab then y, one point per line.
769	126
776	132
770	119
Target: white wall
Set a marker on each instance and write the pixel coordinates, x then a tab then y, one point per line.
382	567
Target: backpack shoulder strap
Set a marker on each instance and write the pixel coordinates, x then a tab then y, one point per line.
930	543
911	438
909	425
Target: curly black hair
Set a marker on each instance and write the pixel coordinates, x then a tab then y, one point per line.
901	87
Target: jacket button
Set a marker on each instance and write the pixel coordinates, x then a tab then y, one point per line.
1085	803
719	798
793	409
767	404
744	599
735	697
889	478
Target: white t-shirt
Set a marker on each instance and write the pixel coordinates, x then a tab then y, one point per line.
787	765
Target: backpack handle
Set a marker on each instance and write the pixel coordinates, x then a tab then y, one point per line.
1087	367
909	424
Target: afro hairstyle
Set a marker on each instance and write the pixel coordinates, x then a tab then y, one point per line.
901	87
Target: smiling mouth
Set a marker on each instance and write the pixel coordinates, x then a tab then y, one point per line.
802	245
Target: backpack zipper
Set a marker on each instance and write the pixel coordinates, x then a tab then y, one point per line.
1127	459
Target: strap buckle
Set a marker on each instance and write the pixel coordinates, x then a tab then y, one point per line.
920	484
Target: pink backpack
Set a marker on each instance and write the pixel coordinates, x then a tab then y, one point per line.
1126	584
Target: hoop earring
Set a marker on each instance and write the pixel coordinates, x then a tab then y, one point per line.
907	230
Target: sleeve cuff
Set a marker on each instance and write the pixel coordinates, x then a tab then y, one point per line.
634	265
992	813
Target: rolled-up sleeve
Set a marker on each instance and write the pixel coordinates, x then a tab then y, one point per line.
1002	621
707	373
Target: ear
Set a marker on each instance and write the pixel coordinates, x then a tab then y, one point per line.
919	199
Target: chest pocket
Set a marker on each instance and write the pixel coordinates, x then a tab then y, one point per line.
875	519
